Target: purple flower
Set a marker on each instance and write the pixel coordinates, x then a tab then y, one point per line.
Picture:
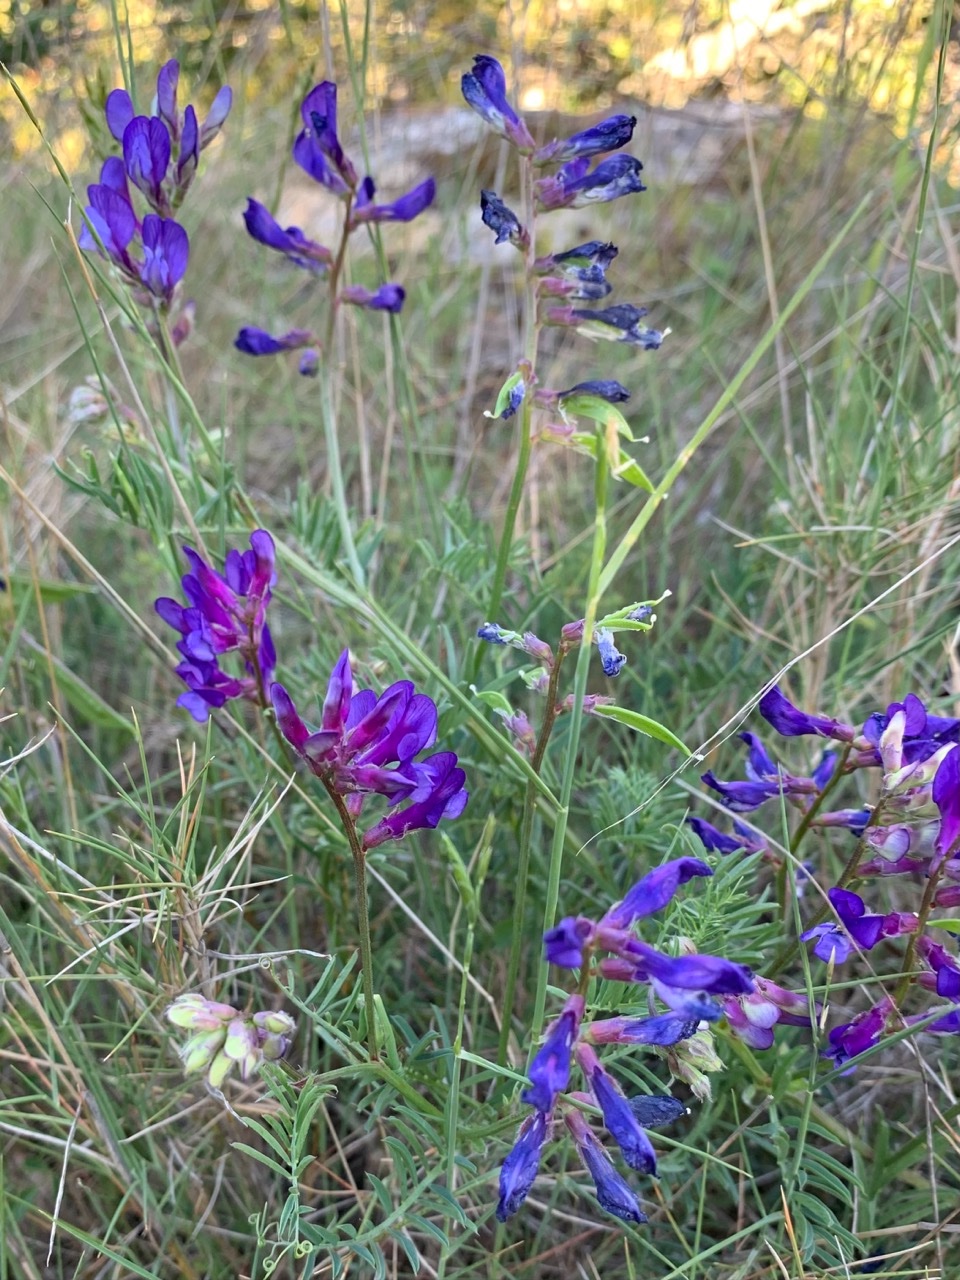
111	214
741	797
404	209
146	156
292	243
920	735
613	1192
836	941
790	722
852	1038
611	391
549	1072
614	324
573	187
519	1169
485	89
611	659
119	111
166	251
711	974
661	1029
389	297
608	135
317	149
308	365
618	1116
945	975
946	796
503	222
651	894
714	840
752	1017
514	401
563	945
224	613
257	342
492	633
368	744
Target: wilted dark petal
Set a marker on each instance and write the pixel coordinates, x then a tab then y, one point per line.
654	891
389	297
257	342
167	82
119	112
615	324
574	187
519	1169
608	135
611	659
656	1109
611	391
501	220
405	209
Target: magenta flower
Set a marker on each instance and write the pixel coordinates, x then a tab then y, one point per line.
367	744
225	613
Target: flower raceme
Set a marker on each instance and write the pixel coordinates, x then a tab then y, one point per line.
224	613
160	155
319	152
367	745
224	1038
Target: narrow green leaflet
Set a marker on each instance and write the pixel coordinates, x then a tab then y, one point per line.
642	724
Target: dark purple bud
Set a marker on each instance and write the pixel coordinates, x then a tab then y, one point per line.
519	1169
613	1192
514	401
654	1110
405	209
216	116
257	342
611	391
608	135
654	891
549	1072
485	89
503	222
309	363
119	112
492	633
614	324
789	721
189	155
389	297
167	82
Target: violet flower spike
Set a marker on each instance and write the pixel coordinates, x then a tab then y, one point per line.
485	89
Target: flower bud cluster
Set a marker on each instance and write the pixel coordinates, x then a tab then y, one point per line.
913	830
684	984
223	1038
160	154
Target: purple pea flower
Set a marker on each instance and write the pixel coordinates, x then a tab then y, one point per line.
574	187
166	251
317	148
618	1116
946	796
741	797
514	401
670	975
613	1192
225	613
111	214
502	221
257	342
291	242
660	1029
611	659
654	892
519	1169
146	157
835	941
367	744
610	390
621	323
389	297
853	1038
945	975
715	841
791	722
549	1072
609	135
564	944
404	209
485	89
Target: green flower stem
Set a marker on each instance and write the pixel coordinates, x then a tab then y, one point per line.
594	589
363	916
523	865
530	346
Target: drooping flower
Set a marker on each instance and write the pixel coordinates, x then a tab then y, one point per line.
613	1192
257	342
485	89
618	1116
621	323
654	892
317	148
791	722
853	1038
611	391
836	940
368	745
576	185
389	297
519	1169
549	1072
611	659
291	242
404	209
224	613
715	841
502	221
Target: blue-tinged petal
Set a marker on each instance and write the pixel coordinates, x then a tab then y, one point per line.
654	891
608	135
119	112
257	342
549	1072
404	209
485	89
519	1169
